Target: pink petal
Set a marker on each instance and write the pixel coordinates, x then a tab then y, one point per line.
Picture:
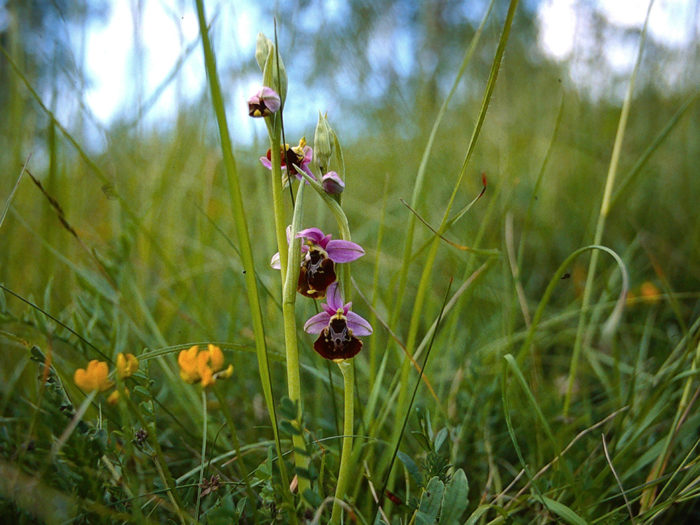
266	162
328	309
334	298
332	183
308	155
316	323
271	98
343	251
275	261
358	324
314	234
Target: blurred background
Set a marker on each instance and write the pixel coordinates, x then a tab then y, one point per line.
101	63
109	100
106	103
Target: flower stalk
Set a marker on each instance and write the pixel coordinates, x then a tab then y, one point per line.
277	204
289	292
343	226
204	453
347	368
242	233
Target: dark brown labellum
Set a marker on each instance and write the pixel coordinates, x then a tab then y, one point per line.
287	154
316	274
336	340
258	110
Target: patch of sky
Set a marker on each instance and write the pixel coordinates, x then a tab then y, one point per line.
567	31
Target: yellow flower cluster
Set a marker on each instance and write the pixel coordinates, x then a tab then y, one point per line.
205	365
95	377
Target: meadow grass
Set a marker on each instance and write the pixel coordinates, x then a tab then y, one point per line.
530	274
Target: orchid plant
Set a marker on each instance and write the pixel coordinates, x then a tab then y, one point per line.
307	258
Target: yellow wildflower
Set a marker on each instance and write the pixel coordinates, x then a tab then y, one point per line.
94	378
113	398
126	365
187	359
216	356
649	292
205	366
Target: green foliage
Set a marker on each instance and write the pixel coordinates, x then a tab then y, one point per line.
156	264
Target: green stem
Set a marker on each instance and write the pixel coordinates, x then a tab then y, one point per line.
289	294
649	495
277	202
159	459
244	241
347	368
602	216
554	281
419	186
204	454
427	269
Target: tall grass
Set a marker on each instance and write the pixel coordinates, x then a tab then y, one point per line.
561	386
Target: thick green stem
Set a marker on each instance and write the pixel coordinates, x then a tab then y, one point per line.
289	294
348	369
277	202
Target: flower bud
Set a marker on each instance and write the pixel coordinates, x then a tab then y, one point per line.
270	74
262	50
338	159
323	142
332	183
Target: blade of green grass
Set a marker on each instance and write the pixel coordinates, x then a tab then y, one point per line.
407	415
605	208
427	269
8	202
244	239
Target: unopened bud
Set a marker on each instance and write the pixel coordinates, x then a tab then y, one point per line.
262	49
332	183
323	142
273	75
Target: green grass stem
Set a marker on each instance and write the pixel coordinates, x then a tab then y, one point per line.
240	221
289	294
602	217
203	457
419	185
425	279
345	471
